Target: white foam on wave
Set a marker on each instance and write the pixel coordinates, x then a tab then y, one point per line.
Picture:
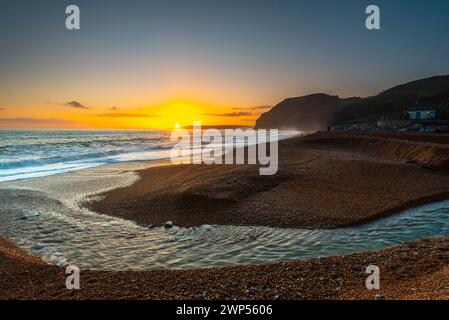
42	171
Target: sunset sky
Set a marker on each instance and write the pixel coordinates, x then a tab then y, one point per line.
151	64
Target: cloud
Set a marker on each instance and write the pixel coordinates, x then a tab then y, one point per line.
114	108
229	114
1	109
126	115
252	108
75	104
47	121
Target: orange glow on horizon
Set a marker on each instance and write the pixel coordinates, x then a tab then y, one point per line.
166	115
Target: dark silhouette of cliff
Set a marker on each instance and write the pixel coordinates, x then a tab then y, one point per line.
317	111
308	113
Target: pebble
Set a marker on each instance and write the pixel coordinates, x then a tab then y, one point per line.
168	225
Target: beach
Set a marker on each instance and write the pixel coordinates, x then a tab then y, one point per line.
224	150
412	271
328	180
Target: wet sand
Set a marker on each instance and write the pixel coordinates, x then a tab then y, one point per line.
327	180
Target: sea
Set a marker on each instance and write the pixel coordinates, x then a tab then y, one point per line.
36	153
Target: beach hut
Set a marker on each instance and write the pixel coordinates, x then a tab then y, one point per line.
420	113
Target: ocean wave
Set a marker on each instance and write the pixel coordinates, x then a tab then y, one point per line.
88	156
29	154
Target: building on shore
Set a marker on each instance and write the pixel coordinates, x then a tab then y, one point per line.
420	112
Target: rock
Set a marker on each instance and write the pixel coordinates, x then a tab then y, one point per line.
151	226
379	297
29	216
168	225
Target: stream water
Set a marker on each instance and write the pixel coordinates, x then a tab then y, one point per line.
43	217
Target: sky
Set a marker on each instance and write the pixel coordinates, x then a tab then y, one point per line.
152	64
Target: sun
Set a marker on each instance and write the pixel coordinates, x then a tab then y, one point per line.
177	125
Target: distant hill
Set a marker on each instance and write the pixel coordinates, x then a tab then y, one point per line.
309	113
430	85
317	111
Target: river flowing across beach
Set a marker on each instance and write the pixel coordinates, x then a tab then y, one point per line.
43	216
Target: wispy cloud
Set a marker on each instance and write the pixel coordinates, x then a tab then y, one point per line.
46	121
252	108
1	109
114	108
126	115
75	104
229	114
